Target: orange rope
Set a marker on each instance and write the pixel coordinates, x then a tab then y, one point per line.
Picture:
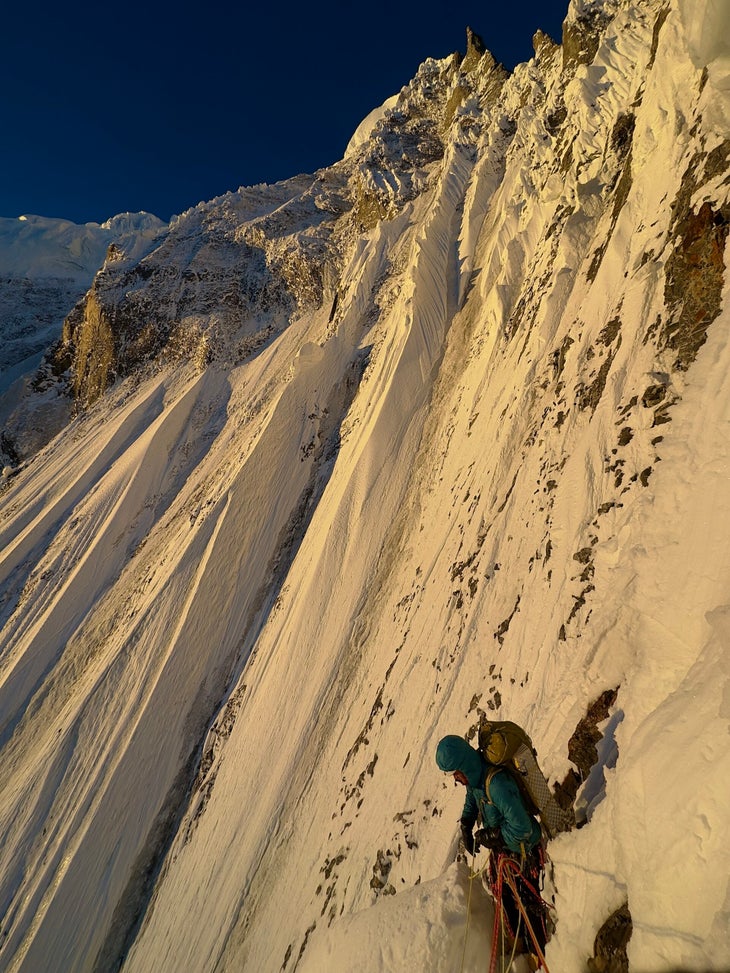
509	877
507	870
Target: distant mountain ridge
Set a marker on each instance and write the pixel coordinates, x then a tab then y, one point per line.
37	247
242	264
46	266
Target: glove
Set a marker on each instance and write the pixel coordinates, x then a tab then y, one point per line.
467	837
489	838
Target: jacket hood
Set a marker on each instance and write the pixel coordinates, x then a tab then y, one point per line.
454	753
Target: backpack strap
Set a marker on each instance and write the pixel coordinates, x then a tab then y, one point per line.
491	774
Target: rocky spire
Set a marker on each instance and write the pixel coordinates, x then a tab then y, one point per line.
474	49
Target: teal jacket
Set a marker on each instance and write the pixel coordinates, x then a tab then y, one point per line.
506	811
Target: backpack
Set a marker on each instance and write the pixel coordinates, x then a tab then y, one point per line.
506	746
500	741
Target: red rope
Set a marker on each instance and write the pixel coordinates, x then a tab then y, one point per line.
507	869
510	879
498	919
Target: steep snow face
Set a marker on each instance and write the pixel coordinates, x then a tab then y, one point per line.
365	128
468	457
707	26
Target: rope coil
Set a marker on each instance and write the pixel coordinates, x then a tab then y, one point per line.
507	872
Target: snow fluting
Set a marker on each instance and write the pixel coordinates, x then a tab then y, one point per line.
355	460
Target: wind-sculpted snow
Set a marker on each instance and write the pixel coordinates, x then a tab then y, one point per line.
469	456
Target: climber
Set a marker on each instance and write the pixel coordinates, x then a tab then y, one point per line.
503	812
508	829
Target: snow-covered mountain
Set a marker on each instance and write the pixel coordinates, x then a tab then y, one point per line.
438	432
46	266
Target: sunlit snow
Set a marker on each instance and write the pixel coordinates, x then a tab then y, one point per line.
243	599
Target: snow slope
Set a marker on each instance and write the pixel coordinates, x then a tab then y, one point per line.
244	596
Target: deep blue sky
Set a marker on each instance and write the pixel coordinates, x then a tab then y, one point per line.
110	107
